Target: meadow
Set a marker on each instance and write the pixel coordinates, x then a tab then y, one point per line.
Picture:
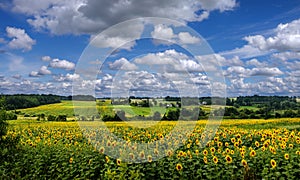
240	149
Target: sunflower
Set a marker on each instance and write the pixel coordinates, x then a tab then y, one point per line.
252	153
178	167
233	140
101	150
286	156
142	155
228	159
232	152
205	152
197	152
273	163
180	153
220	144
169	153
119	162
291	146
205	159
106	159
256	143
244	163
149	158
212	150
236	144
298	152
71	160
215	159
226	144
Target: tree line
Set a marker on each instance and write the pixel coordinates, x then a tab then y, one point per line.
21	101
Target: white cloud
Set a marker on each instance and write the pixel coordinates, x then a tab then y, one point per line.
91	16
239	71
187	38
44	71
286	55
164	34
20	39
34	74
119	36
66	78
123	64
62	64
161	58
287	37
265	72
46	58
256	63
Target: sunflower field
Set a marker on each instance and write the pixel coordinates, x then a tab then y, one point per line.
239	149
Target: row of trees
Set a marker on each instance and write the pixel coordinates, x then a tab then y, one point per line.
264	113
21	101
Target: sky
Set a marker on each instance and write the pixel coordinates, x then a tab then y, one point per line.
150	48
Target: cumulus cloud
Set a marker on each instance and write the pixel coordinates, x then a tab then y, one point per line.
34	74
164	34
286	37
91	16
20	39
66	78
121	37
160	58
239	71
123	64
44	71
266	72
62	64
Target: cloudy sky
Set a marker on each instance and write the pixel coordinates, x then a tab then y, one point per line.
188	47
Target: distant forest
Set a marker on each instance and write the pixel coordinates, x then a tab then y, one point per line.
21	101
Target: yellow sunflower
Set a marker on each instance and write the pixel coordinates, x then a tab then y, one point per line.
228	159
119	162
215	159
244	163
179	167
273	163
252	153
286	156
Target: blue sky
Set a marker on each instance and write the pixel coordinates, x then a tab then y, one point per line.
206	47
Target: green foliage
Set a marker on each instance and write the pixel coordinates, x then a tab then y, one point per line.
26	101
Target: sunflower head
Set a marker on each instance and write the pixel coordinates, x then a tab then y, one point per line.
244	163
273	163
228	159
119	162
215	159
286	156
178	167
252	153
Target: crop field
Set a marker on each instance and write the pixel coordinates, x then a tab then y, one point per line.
240	149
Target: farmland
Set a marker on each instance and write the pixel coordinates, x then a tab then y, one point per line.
240	149
82	146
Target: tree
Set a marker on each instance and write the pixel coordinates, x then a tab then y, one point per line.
3	123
